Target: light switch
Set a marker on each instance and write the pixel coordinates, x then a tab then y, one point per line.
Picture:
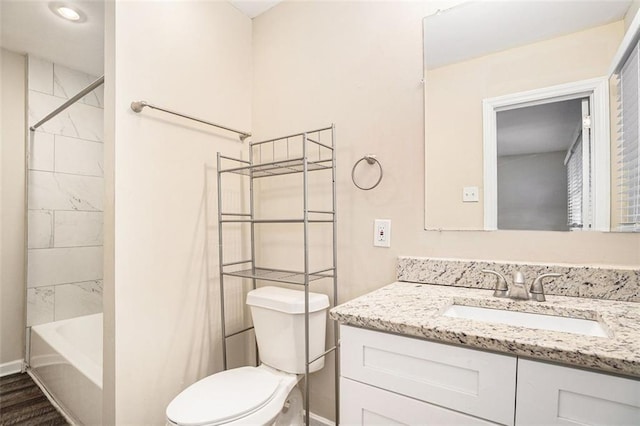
470	194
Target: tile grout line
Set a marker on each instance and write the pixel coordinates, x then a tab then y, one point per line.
66	173
52	239
44	132
66	247
63	98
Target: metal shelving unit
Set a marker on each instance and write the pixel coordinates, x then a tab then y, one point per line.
302	153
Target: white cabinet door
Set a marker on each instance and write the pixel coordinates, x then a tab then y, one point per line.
475	382
550	394
366	405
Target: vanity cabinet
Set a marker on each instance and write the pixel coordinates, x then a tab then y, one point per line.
550	394
391	379
362	404
387	379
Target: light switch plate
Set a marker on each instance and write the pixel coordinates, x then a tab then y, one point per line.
470	194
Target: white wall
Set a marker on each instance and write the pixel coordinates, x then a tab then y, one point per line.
532	191
12	125
359	65
65	195
161	287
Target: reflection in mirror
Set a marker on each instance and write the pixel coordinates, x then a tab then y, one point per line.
587	199
486	50
541	148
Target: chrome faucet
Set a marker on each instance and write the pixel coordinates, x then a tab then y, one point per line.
501	289
518	290
537	290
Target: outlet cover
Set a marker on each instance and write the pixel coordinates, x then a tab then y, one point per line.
382	233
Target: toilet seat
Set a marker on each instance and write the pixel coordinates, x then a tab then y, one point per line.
232	396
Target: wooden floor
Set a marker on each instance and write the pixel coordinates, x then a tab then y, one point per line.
23	403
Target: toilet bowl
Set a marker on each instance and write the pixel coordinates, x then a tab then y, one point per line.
242	396
268	394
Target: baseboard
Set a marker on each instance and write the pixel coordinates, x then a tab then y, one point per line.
12	367
316	420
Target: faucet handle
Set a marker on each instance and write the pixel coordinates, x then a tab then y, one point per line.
537	289
501	288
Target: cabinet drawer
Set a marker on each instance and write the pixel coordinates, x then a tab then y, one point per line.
475	382
554	395
365	405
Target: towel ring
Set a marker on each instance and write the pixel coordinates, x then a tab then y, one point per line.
371	159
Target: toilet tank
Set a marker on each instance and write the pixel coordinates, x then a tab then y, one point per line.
278	319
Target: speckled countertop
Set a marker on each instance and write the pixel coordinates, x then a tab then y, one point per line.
413	309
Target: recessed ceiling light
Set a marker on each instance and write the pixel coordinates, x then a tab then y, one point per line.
65	11
68	13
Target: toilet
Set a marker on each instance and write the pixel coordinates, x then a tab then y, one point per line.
267	394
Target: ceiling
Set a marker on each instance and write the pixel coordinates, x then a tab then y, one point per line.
507	24
541	128
253	8
29	26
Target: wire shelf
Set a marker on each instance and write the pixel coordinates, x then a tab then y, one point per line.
280	275
277	221
299	153
277	168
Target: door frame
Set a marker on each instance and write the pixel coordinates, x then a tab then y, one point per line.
597	90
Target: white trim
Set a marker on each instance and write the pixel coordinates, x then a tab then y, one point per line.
490	156
316	420
424	139
626	45
598	90
11	367
601	158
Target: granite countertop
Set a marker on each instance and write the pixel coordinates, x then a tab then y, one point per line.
414	310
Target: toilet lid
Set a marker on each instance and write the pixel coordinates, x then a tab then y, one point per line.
223	397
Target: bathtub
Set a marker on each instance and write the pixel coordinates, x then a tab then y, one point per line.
66	357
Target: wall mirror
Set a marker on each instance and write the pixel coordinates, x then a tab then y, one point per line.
518	112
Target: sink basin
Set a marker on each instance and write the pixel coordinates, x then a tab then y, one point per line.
524	319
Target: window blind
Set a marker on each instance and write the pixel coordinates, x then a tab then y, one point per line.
574	187
628	132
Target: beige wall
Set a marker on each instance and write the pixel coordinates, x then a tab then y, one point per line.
359	65
12	125
161	288
356	64
454	97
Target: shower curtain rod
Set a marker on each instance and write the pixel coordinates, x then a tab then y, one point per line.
70	102
138	106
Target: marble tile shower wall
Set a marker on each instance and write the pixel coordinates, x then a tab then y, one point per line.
65	196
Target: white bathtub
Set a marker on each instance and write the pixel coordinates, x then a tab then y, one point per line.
66	356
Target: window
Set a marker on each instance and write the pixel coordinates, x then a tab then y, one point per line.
574	186
629	130
578	164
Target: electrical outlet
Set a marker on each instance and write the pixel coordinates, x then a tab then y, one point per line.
382	233
470	194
